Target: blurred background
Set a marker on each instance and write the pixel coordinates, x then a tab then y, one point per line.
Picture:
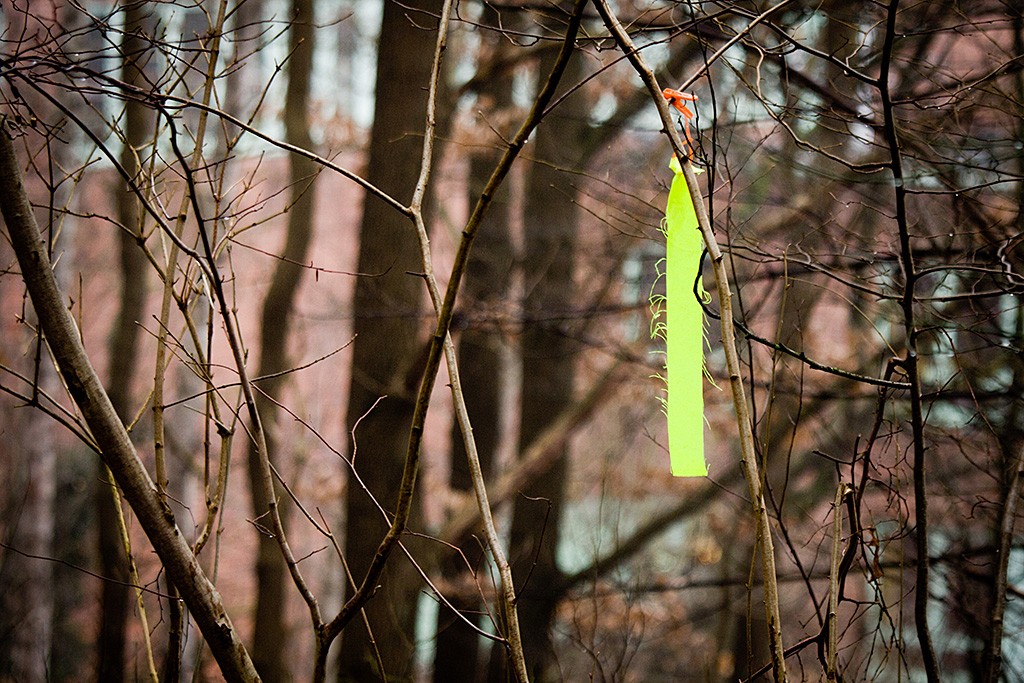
864	172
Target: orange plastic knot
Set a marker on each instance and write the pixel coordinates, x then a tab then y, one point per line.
676	99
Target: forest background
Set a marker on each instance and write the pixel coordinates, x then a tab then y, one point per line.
248	243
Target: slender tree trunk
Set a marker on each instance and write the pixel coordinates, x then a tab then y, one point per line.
486	287
549	360
270	634
116	595
28	510
387	349
26	600
242	88
1011	461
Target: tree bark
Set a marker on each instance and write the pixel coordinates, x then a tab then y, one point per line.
387	349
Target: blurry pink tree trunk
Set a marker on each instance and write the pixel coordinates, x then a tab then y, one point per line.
388	351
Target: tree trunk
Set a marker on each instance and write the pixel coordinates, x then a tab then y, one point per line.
115	597
270	632
549	359
26	600
485	289
387	347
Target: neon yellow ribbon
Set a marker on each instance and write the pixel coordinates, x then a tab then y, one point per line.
683	330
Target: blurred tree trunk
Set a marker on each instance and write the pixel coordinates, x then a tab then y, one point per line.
1010	437
270	632
486	287
549	360
74	515
116	594
387	307
26	600
242	87
27	509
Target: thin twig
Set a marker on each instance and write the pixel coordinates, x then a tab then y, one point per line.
133	574
508	592
910	363
163	100
234	342
831	617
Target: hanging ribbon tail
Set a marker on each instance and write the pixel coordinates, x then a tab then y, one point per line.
684	333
